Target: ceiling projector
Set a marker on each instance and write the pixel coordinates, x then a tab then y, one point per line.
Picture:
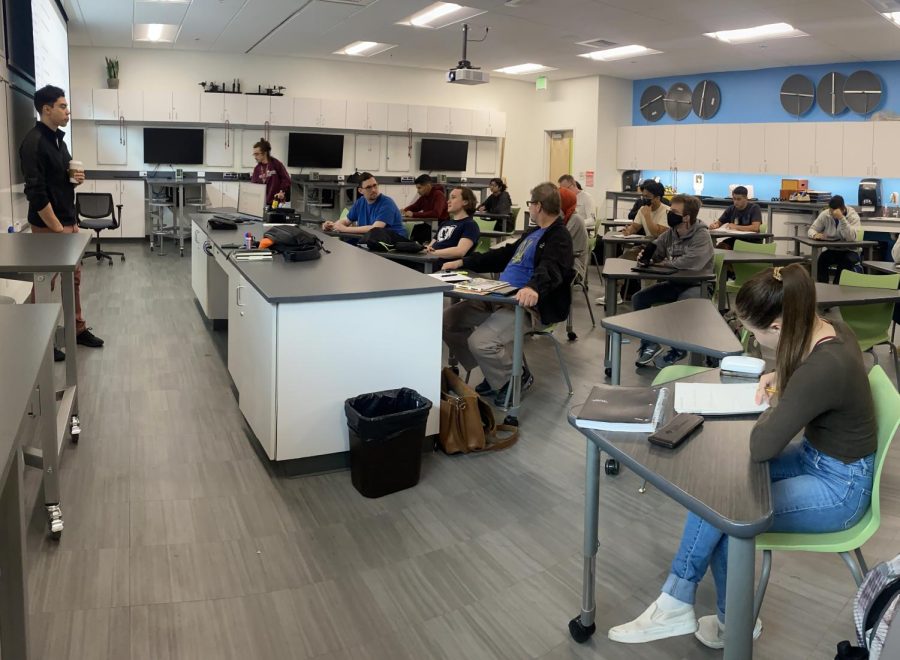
464	73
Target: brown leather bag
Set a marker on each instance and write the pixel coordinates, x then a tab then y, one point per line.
467	422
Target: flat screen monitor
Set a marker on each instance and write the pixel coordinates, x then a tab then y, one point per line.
173	146
252	199
443	155
315	150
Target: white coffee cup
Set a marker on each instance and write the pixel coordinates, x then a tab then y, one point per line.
75	166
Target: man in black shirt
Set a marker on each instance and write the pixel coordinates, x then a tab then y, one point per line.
743	215
51	195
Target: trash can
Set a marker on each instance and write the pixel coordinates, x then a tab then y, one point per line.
386	433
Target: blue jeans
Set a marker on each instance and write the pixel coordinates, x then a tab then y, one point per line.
811	493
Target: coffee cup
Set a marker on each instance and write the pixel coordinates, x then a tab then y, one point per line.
75	166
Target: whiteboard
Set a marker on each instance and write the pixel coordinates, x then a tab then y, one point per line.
51	48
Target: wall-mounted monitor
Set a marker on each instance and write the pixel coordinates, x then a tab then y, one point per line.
173	146
315	150
443	155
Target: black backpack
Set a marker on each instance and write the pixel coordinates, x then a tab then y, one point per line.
295	243
382	239
421	233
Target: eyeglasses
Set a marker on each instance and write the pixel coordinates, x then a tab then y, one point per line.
371	186
532	202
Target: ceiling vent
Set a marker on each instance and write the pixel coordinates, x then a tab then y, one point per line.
598	44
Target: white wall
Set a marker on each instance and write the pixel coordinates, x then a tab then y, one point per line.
570	104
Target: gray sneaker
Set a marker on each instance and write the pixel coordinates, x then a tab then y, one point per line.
646	354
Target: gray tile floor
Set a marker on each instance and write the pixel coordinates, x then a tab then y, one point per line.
180	543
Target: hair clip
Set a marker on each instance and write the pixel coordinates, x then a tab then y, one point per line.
776	273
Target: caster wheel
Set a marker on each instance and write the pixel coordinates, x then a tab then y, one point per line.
512	421
122	258
110	264
151	247
182	253
579	632
572	336
611	467
55	536
608	372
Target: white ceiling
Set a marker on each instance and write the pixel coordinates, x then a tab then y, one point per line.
542	31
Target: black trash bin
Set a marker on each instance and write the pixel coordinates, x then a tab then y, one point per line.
386	433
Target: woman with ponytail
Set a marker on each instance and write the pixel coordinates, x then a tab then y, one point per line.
821	484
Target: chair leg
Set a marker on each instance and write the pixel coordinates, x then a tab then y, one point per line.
643	488
562	364
853	566
861	560
764	573
590	307
597	264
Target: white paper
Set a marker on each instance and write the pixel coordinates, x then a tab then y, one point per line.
450	276
717	398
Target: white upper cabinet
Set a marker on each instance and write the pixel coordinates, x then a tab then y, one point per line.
481	122
829	149
157	106
398	118
705	148
212	108
438	119
777	137
858	148
728	147
498	123
802	148
626	155
257	110
418	118
460	121
307	112
886	155
235	108
131	104
662	139
365	116
81	103
334	113
323	113
106	104
186	107
281	111
753	148
685	147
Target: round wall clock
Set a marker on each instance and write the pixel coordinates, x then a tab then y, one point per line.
678	101
863	91
797	95
830	93
653	105
706	99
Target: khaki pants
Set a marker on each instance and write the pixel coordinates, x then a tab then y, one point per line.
480	334
80	325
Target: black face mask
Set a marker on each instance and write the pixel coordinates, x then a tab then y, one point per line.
674	219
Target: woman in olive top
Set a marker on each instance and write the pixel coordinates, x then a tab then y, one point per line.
271	172
821	484
459	235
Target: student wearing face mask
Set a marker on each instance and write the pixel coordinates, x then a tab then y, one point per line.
687	246
650	219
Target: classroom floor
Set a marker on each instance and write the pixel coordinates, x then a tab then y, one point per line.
180	543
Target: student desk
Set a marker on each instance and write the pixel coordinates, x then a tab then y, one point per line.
26	392
692	325
613	238
738	257
882	266
763	236
711	475
305	336
426	259
616	223
836	295
817	246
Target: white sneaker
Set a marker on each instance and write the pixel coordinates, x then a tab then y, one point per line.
655	623
711	632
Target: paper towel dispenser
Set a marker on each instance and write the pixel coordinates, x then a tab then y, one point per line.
870	196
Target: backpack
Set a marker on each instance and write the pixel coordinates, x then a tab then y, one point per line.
875	608
295	243
421	233
382	239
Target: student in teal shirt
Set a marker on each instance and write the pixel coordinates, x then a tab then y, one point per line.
371	209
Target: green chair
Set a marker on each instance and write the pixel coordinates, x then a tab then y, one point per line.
676	371
409	227
887	416
743	272
870	323
513	216
345	212
484	243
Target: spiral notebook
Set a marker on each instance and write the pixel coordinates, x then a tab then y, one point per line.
717	399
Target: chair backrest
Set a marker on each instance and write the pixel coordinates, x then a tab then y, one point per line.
743	272
870	323
94	205
676	371
763	227
513	214
484	243
345	212
760	248
409	227
860	233
887	416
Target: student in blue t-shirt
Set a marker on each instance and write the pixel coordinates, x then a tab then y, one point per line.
457	236
371	209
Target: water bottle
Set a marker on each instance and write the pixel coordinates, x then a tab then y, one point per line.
248	241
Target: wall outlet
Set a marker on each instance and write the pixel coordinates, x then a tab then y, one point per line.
200	175
143	173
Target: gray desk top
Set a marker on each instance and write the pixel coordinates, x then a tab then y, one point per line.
618	237
736	256
806	240
722	233
620	269
413	257
693	325
26	332
835	295
882	266
711	474
41	253
346	273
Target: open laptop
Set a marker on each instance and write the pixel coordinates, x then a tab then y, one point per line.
251	204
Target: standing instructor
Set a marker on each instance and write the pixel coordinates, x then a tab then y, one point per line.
51	195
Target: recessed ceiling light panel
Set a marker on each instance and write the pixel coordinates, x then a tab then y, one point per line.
154	32
620	53
522	69
441	14
364	48
757	33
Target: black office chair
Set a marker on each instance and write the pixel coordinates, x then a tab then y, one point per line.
97	212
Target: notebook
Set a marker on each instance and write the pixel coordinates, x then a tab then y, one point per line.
452	276
615	408
717	398
482	285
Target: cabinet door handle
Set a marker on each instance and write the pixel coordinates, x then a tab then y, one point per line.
227	128
237	298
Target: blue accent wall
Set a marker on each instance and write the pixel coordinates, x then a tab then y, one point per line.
753	97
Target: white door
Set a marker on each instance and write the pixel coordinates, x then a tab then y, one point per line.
212	108
106	104
377	114
777	148
334	113
133	211
131	104
186	107
398	118
111	149
663	140
281	111
460	121
829	149
418	118
887	154
219	147
728	147
368	152
626	138
398	159
257	110
858	148
157	106
235	108
802	149
257	398
307	112
705	148
357	119
753	148
438	119
81	103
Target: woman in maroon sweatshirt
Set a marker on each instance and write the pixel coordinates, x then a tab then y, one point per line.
271	172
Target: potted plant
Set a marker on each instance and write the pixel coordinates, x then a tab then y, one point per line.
112	73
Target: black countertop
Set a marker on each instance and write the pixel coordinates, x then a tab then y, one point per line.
346	272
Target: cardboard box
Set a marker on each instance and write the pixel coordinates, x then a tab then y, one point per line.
795	184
